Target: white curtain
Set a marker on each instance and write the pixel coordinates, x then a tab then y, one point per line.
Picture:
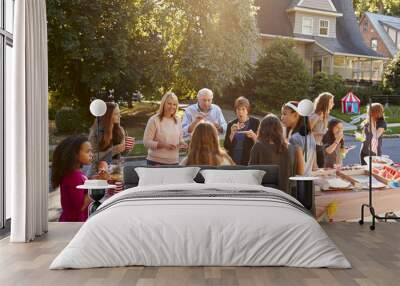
27	142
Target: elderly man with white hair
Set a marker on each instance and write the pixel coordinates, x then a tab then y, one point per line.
203	111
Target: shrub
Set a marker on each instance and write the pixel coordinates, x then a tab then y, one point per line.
70	121
280	75
52	113
334	84
364	93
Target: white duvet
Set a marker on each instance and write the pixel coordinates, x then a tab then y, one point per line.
205	231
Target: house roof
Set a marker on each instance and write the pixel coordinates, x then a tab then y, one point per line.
323	5
395	25
377	20
274	20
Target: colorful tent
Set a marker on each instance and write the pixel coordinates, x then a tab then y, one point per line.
350	103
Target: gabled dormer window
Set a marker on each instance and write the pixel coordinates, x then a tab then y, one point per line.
392	34
365	26
374	44
307	26
323	27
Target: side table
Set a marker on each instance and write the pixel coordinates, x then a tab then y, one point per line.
96	193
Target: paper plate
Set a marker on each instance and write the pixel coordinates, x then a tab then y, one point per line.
91	187
378	161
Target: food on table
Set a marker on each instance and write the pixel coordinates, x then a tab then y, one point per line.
116	177
388	173
375	171
378	161
103	166
363	180
338	183
102	175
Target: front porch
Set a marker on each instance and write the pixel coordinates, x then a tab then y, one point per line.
351	68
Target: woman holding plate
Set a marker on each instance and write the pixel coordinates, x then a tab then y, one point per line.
241	133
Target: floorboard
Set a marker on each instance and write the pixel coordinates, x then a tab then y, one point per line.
375	257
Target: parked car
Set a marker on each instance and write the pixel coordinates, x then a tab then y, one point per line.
137	96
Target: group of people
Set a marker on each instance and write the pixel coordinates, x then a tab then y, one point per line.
247	141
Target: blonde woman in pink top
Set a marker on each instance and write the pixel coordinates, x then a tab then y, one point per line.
163	136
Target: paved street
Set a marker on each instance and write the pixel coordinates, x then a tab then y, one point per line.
391	147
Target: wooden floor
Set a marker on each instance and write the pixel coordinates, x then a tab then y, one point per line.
375	257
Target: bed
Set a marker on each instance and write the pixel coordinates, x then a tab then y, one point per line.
195	224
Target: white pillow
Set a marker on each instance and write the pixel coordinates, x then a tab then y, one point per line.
166	176
245	177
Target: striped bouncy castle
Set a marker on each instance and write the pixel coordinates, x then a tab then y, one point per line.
351	103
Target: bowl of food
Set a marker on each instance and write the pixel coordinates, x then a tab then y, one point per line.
379	161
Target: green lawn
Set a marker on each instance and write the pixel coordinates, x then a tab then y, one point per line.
342	116
138	150
392	114
393	130
136	132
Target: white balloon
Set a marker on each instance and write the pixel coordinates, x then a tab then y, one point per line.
98	107
305	107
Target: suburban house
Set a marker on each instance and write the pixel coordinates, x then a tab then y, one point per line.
326	34
381	33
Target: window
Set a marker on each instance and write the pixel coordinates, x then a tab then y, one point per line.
339	61
398	40
374	44
6	64
392	34
365	26
9	19
307	26
323	27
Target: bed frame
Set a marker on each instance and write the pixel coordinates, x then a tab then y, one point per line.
270	179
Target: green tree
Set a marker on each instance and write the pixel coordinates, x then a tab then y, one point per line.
148	45
215	42
87	46
280	75
391	77
387	7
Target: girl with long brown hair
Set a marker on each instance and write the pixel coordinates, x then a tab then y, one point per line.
378	126
204	148
111	141
333	144
163	136
272	148
291	119
319	122
68	158
296	131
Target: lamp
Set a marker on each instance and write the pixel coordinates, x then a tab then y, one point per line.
98	108
305	108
